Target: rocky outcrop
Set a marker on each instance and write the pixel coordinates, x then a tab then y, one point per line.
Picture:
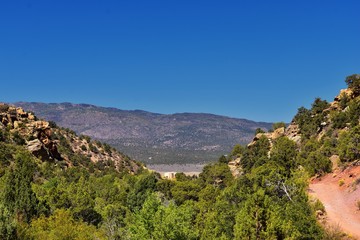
235	167
293	133
37	148
344	92
269	135
36	133
335	105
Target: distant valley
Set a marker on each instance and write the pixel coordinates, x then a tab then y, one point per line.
150	137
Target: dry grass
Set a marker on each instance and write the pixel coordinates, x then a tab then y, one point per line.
334	232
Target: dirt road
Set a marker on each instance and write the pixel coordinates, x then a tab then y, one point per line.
340	201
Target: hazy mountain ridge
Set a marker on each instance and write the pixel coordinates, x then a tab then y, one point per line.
153	137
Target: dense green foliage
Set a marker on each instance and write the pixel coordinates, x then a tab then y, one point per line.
309	120
268	200
338	127
43	200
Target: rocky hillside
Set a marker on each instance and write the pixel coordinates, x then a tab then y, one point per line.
326	136
54	144
151	137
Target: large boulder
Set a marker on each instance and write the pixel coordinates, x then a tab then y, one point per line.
278	133
37	148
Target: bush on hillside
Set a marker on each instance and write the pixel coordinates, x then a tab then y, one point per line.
353	82
278	125
339	120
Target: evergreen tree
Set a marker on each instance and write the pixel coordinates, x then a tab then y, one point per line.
19	197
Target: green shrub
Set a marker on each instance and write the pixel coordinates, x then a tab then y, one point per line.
319	106
329	146
317	163
18	139
309	121
349	145
107	148
4	107
87	138
52	124
238	150
339	120
278	125
344	100
353	82
354	112
2	136
318	206
93	148
341	182
259	130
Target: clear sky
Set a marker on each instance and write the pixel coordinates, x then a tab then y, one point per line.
255	59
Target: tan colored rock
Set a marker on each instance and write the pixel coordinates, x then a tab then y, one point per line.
34	145
16	124
293	133
31	117
21	112
12	109
232	163
278	133
335	159
348	92
258	136
41	124
335	104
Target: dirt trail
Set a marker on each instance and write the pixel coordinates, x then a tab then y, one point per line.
340	201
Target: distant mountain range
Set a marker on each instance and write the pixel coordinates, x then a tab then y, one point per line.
151	137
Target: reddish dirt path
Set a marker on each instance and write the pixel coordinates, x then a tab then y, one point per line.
340	201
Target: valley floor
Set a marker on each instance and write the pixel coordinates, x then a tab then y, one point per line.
339	192
188	169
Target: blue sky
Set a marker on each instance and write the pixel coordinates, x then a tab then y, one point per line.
259	60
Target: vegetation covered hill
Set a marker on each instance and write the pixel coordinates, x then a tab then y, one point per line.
151	137
63	146
257	192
